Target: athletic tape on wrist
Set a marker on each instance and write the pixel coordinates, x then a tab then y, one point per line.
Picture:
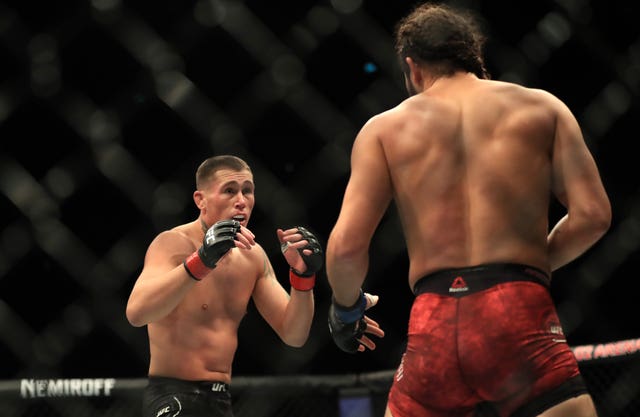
195	267
353	313
301	283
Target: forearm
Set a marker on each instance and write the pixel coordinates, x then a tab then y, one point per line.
571	237
298	317
346	274
154	298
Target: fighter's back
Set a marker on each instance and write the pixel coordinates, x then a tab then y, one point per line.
470	164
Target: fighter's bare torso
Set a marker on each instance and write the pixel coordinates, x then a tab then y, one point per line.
470	166
202	329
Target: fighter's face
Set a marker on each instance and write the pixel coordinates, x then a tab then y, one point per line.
229	196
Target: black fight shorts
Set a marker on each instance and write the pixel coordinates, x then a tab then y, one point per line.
169	397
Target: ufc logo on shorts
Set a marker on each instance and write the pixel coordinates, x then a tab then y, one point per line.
167	409
218	387
163	411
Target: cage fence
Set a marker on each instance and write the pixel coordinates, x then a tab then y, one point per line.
611	371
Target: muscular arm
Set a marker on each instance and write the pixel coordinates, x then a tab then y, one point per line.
577	185
366	199
163	281
290	315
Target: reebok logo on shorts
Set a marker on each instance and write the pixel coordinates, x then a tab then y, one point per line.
458	285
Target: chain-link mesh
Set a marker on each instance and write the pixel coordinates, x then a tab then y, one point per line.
107	107
612	382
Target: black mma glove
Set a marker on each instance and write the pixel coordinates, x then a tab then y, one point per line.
304	281
218	240
347	324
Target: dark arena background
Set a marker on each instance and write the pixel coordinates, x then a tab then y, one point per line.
108	106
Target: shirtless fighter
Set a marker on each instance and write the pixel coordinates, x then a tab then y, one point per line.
194	289
472	165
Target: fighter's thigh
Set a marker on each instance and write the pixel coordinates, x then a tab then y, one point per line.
580	406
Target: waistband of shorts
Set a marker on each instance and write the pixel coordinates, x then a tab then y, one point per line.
209	386
458	282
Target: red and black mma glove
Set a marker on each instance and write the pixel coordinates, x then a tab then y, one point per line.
218	240
347	324
305	281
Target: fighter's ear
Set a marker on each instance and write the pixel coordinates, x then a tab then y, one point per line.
198	198
414	71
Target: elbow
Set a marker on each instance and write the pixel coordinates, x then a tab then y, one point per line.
602	226
296	342
137	323
134	317
601	219
295	333
596	220
346	250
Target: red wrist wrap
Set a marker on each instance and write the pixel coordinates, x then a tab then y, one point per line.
195	268
301	283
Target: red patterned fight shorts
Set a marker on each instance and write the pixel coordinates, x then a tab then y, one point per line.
486	334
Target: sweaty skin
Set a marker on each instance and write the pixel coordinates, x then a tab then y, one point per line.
471	165
193	325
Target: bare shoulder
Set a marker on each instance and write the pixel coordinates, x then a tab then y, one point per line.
249	262
527	93
391	119
382	119
259	257
257	252
256	256
172	235
178	240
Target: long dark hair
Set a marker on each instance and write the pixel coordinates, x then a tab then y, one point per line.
446	38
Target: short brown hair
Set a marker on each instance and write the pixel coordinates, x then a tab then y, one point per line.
210	166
